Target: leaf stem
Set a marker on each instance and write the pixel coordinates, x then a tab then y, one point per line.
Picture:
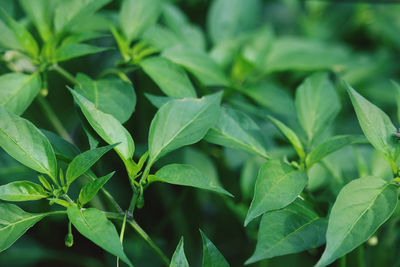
63	72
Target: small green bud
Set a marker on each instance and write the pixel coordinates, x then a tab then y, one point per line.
69	240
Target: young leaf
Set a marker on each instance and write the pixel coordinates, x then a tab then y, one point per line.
160	37
236	130
376	125
182	122
290	230
18	91
14	223
198	63
137	15
211	255
179	258
40	13
90	189
331	145
105	125
277	185
290	135
63	149
317	104
361	207
112	95
22	191
187	175
24	142
95	226
81	163
68	51
171	78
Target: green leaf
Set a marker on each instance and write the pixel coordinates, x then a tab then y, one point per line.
62	148
179	258
112	95
105	125
40	12
211	255
24	142
331	145
18	91
181	122
236	130
397	96
81	163
277	185
160	37
95	226
187	175
197	62
290	230
317	104
137	15
24	38
157	100
376	125
171	79
68	51
361	207
290	135
90	189
14	223
22	191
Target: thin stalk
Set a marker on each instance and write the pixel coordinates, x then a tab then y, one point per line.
65	74
342	261
360	256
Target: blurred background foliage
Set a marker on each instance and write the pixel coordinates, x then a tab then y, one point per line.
266	48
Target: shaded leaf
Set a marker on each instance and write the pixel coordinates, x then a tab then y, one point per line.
90	189
179	258
68	51
211	255
62	148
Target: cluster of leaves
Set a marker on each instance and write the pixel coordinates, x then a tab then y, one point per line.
231	99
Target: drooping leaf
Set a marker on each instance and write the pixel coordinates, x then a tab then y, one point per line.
187	175
182	122
14	223
113	96
62	148
95	226
211	255
277	185
24	142
68	51
171	79
18	91
81	163
22	191
331	145
90	189
376	125
361	207
235	129
290	230
179	258
317	104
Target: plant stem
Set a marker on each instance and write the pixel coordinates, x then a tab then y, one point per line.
342	261
360	256
51	115
65	74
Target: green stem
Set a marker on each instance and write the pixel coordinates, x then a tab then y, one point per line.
52	117
342	261
360	256
65	74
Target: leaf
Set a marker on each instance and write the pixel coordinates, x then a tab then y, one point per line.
171	79
376	125
160	37
18	90
331	145
397	97
40	12
197	62
277	185
14	223
179	258
181	122
95	226
63	149
81	163
157	100
137	15
187	175
68	51
317	104
112	95
236	130
290	135
211	255
105	125
90	189
24	142
24	38
361	207
290	230
22	191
